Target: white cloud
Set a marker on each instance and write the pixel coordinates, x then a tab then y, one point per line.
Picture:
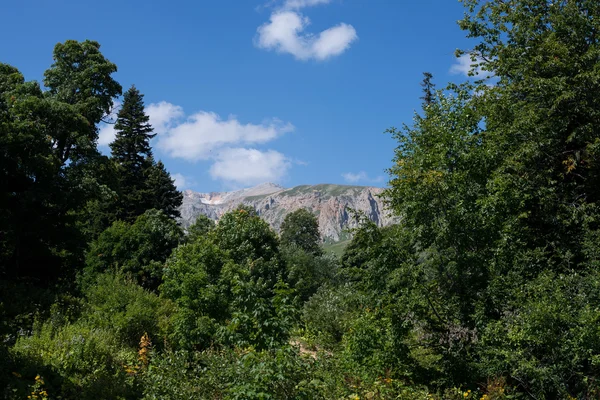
204	133
249	166
205	136
163	115
298	4
284	33
106	131
180	181
463	66
106	134
361	176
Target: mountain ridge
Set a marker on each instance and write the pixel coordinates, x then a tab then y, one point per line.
328	202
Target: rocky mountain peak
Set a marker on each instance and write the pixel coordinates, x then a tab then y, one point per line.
273	202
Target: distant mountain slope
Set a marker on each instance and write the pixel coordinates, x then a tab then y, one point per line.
273	202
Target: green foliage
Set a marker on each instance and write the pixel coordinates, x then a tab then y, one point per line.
226	295
48	142
75	361
138	250
308	271
496	187
300	228
328	313
199	228
551	333
81	76
246	237
121	306
164	196
230	374
192	278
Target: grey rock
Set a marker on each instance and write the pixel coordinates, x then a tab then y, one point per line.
330	203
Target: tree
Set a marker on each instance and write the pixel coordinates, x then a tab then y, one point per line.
139	249
247	238
228	285
143	183
81	77
497	189
199	228
164	195
47	145
132	153
428	88
301	228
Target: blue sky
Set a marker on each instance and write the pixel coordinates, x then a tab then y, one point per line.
242	92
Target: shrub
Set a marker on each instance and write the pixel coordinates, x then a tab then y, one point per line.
76	361
139	249
117	304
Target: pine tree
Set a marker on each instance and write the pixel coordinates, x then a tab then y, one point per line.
164	195
132	153
428	88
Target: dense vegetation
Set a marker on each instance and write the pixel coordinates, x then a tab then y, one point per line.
489	288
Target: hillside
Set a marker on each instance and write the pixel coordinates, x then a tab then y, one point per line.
328	202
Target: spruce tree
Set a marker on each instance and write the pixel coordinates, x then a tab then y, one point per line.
132	153
164	195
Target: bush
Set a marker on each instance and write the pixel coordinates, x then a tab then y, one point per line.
120	305
139	249
307	271
76	361
230	374
328	313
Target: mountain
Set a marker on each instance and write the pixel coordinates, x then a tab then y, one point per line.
329	203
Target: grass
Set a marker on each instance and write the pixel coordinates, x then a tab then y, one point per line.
325	189
336	248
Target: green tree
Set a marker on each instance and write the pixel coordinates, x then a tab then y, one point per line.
199	228
164	195
247	237
301	228
229	286
81	77
47	147
497	188
139	249
132	153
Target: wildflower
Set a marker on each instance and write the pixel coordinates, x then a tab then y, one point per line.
145	347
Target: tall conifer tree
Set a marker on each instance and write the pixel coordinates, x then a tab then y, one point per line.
132	153
143	183
164	193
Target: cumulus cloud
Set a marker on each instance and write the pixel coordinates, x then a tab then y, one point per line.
464	64
163	115
241	166
285	33
228	143
203	134
181	181
361	176
106	134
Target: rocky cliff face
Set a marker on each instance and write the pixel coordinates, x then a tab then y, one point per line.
329	203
